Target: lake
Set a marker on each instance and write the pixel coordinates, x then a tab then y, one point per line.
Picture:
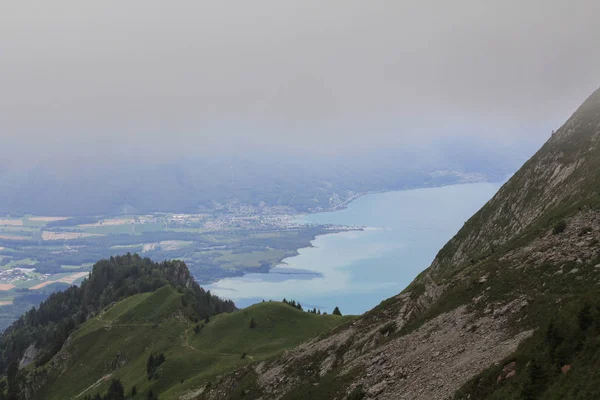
356	270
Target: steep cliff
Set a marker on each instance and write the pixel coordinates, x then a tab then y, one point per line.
473	324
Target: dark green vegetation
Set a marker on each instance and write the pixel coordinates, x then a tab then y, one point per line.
524	268
559	362
116	391
293	303
297	305
22	301
276	327
154	361
229	249
559	227
563	291
49	326
508	309
329	387
149	326
210	255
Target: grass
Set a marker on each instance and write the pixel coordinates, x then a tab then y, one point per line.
22	263
119	341
122	228
209	255
278	327
331	386
563	340
254	259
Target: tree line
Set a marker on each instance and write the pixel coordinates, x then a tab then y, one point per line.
116	391
111	280
298	306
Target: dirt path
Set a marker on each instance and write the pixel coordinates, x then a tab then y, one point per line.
94	385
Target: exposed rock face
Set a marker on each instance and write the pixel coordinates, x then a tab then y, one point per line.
431	362
180	275
578	243
29	356
471	308
561	173
435	360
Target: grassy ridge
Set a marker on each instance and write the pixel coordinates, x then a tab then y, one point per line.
277	327
118	342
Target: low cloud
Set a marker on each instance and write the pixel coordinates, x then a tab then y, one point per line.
199	77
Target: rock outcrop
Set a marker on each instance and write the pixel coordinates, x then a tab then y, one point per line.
473	307
29	356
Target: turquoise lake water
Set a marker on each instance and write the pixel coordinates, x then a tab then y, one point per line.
357	270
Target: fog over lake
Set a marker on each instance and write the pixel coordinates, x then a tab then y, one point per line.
356	270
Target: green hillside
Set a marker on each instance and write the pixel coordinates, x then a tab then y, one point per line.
277	326
118	342
508	309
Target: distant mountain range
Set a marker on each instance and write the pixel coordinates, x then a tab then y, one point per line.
509	309
61	187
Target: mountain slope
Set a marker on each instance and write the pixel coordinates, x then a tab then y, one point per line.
509	309
118	343
492	296
41	333
563	175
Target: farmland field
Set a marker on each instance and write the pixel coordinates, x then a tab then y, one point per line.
41	254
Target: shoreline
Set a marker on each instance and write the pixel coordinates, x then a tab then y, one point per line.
341	207
344	205
296	253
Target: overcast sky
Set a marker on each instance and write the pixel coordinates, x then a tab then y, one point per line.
197	76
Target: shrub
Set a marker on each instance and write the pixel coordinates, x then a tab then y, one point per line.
416	290
292	303
357	393
151	395
559	227
154	361
115	391
388	328
584	317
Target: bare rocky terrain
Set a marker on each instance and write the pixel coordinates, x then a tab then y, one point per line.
525	255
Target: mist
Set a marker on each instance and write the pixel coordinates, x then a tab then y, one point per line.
189	78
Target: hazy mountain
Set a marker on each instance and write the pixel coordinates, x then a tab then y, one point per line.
97	186
508	309
150	326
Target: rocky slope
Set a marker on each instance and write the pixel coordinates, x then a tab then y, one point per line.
560	176
529	254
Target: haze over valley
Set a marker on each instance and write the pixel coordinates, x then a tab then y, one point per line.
292	200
